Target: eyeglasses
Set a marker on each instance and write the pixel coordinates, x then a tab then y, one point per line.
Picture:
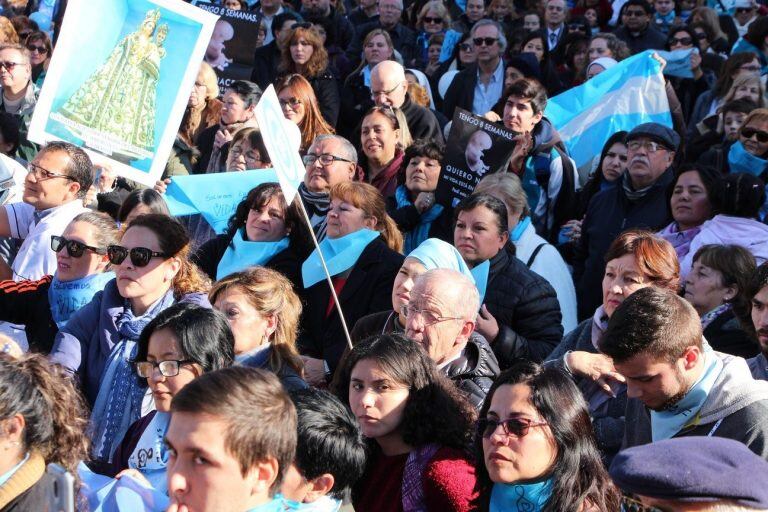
748	133
429	317
742	10
325	159
376	94
140	256
167	368
649	146
9	65
290	102
42	174
487	41
701	36
577	27
430	19
252	155
634	14
517	427
42	50
74	248
685	41
466	47
750	67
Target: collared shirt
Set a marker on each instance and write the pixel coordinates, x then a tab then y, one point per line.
553	36
268	24
486	96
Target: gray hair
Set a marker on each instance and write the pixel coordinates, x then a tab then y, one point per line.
399	4
458	291
483	22
347	150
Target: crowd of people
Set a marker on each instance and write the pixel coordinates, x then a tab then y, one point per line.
564	339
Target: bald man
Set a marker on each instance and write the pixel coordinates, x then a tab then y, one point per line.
389	87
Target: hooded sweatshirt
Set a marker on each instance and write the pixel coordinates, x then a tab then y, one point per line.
736	408
724	230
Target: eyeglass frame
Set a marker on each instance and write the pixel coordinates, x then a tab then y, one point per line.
9	65
292	102
754	132
650	146
65	243
158	364
129	254
484	423
311	156
404	311
237	153
48	175
376	94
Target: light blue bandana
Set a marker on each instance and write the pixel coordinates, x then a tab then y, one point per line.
520	497
740	160
340	255
242	253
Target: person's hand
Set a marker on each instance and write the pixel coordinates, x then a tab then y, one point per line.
107	177
314	371
162	185
492	116
424	201
136	475
222	137
523	144
430	68
90	196
575	228
486	324
660	60
597	367
696	65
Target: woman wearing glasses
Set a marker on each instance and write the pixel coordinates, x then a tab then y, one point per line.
362	250
177	346
300	106
419	428
535	447
153	272
384	135
433	18
39	45
264	231
247	151
44	306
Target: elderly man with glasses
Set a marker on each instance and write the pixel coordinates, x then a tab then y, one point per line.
440	316
19	95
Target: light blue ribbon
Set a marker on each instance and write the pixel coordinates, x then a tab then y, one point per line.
66	297
340	255
520	497
242	253
741	160
516	233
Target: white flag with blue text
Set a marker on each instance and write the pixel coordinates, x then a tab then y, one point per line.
630	93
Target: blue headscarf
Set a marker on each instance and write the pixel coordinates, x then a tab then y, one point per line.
435	253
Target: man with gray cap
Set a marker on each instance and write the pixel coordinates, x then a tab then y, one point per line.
638	200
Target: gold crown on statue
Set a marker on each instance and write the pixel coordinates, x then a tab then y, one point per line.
153	15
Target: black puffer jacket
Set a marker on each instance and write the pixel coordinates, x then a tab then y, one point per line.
475	370
525	306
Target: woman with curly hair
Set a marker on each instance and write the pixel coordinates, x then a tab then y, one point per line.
153	271
305	54
419	427
42	421
535	446
300	106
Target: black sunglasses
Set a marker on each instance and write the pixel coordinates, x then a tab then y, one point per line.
743	9
74	248
430	19
762	136
517	427
685	41
140	256
487	41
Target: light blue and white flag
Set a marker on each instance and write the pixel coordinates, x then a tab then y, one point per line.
630	93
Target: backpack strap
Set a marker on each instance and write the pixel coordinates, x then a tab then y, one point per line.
534	254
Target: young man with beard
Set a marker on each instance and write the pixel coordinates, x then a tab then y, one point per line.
676	384
758	289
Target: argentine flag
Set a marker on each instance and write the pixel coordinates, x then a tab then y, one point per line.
630	93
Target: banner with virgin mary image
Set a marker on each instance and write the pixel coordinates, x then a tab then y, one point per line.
120	79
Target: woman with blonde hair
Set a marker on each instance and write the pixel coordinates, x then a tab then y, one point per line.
305	54
301	106
7	32
152	272
384	135
433	18
263	312
747	87
362	251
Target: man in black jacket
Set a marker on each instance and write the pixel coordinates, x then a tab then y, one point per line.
639	200
441	317
403	38
637	30
338	28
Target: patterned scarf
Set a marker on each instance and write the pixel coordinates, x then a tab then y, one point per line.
632	194
680	240
317	205
420	233
412	489
708	318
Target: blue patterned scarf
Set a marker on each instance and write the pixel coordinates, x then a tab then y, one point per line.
421	232
520	497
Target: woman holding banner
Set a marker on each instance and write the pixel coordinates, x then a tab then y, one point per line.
362	252
264	231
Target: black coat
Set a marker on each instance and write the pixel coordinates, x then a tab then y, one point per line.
326	90
526	308
26	303
407	218
208	256
461	92
609	214
355	101
725	334
383	322
475	370
648	39
368	289
265	62
403	40
422	122
34	498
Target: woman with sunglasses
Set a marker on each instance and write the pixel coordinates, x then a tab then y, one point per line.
177	346
300	106
749	153
536	449
39	45
263	231
362	251
433	19
688	90
419	428
384	135
153	272
44	306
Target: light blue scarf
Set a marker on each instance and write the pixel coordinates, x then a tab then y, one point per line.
665	424
740	160
421	232
118	403
242	253
66	297
520	497
340	255
323	504
435	253
277	504
150	456
516	233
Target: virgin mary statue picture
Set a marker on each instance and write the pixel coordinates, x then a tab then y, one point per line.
113	111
